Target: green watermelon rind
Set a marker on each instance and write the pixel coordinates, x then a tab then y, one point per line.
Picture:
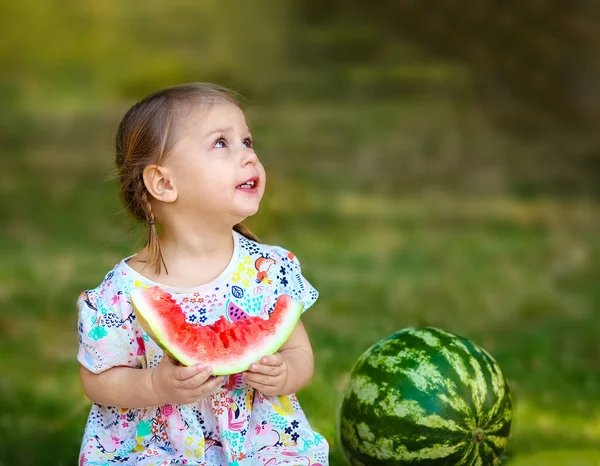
291	312
368	435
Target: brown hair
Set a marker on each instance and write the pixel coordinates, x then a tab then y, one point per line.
145	136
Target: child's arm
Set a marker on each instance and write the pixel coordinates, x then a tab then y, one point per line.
127	387
287	371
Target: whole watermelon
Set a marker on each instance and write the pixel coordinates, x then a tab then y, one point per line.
424	396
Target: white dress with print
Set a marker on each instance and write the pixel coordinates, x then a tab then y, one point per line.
235	426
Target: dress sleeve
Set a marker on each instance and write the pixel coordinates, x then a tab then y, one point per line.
292	281
107	335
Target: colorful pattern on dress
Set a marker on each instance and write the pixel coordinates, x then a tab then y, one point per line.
237	425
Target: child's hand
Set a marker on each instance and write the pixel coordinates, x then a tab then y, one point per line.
176	384
269	376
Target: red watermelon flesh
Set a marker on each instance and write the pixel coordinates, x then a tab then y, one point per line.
227	347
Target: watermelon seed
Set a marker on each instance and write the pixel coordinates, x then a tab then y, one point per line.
479	435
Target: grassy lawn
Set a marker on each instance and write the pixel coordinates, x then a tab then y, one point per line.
520	278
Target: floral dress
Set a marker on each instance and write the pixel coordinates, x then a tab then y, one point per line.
237	425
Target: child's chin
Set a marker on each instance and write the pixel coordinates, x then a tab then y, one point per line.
248	211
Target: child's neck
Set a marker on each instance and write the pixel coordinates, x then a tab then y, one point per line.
191	258
195	245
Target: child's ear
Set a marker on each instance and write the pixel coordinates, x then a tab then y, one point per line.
159	183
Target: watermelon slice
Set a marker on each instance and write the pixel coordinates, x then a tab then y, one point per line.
235	313
227	347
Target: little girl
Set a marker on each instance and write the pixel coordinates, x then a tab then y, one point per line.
186	162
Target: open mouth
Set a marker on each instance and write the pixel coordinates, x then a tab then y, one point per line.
250	184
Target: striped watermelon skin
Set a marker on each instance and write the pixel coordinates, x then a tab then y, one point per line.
424	396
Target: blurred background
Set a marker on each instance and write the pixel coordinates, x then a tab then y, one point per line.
431	163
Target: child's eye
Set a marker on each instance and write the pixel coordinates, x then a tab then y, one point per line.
248	143
221	142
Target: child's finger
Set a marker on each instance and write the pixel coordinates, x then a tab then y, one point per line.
203	378
187	372
266	389
272	360
208	387
213	383
267	370
255	378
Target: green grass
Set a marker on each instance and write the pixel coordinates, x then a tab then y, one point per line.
520	278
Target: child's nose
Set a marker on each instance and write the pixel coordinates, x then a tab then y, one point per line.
249	157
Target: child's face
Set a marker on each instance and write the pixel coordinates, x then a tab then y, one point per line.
214	167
